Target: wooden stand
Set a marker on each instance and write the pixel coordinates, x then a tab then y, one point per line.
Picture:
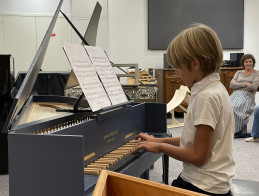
110	183
181	97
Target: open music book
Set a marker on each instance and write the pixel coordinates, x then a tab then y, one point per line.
95	75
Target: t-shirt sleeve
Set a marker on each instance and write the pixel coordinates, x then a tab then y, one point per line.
207	110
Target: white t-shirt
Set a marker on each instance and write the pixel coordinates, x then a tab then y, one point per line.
210	105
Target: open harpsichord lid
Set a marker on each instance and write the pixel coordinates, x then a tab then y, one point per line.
31	76
89	38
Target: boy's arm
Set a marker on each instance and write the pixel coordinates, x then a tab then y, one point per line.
150	138
198	155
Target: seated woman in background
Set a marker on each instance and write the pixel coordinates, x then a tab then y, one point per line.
245	83
255	130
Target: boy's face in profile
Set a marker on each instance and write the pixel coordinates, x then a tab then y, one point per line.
188	76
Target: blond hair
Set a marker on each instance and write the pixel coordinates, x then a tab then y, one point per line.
199	41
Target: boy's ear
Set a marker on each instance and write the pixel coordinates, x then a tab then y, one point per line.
196	64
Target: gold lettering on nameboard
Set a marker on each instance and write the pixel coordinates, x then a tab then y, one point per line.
107	136
111	139
114	132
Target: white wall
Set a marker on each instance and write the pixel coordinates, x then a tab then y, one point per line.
55	58
19	41
128	33
32	6
251	41
1	35
122	31
81	13
23	34
23	24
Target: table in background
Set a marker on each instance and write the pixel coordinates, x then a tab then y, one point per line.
142	93
168	82
139	94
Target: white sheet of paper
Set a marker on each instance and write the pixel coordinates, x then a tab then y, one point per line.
86	76
107	74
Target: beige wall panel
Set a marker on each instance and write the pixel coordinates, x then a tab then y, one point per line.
127	37
55	58
102	32
84	8
20	40
1	36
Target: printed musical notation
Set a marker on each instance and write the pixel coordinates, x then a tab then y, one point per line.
86	76
107	74
95	75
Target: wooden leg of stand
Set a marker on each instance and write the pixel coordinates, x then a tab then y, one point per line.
175	123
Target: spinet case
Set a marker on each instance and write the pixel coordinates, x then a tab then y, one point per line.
53	164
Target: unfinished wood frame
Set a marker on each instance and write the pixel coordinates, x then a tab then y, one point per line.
180	100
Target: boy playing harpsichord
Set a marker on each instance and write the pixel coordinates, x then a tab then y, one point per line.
205	147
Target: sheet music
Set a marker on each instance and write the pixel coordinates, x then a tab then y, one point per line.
107	74
87	76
